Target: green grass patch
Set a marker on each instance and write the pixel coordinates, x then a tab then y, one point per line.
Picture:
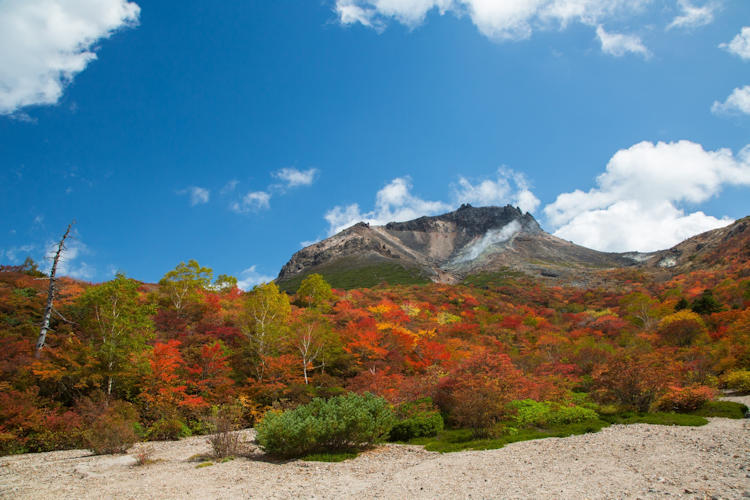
346	275
503	277
330	457
725	409
659	418
463	439
204	464
451	440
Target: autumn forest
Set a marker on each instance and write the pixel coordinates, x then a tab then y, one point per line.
158	360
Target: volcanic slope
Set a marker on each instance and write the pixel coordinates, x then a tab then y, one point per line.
444	248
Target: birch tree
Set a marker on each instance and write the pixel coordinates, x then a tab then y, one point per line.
267	311
311	337
117	323
182	283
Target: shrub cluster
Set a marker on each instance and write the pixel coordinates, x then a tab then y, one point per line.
339	423
168	428
685	399
111	428
738	380
225	441
545	413
416	419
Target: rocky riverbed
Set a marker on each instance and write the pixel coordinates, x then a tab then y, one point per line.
634	461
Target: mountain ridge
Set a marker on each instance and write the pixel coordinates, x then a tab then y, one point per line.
449	247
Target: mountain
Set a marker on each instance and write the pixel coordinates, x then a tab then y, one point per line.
444	248
711	250
473	240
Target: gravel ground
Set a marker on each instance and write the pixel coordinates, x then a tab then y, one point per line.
634	461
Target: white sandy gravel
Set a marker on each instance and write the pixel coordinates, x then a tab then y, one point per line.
634	461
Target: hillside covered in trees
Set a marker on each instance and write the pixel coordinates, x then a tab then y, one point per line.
160	359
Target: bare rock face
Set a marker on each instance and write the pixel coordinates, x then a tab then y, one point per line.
447	247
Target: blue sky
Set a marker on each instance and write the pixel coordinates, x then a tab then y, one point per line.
234	132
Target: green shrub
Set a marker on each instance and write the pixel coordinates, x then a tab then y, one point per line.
416	419
168	429
545	413
738	380
343	422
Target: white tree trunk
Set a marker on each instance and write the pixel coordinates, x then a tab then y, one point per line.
51	294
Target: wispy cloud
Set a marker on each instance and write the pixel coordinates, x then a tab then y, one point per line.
255	201
15	254
198	195
293	177
71	261
618	44
692	16
251	277
252	202
229	187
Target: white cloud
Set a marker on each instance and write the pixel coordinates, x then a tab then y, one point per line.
618	44
740	44
394	202
508	187
692	16
252	201
498	20
250	277
636	204
293	177
198	195
70	263
737	102
45	43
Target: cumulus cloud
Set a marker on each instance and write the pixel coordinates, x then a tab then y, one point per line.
498	20
508	187
252	201
198	195
637	204
44	44
692	16
71	261
738	102
396	202
618	44
293	177
251	277
740	44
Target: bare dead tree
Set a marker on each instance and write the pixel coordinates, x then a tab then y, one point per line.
51	292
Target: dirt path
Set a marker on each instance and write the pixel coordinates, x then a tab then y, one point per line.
635	461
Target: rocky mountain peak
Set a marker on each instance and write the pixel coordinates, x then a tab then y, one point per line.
474	221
